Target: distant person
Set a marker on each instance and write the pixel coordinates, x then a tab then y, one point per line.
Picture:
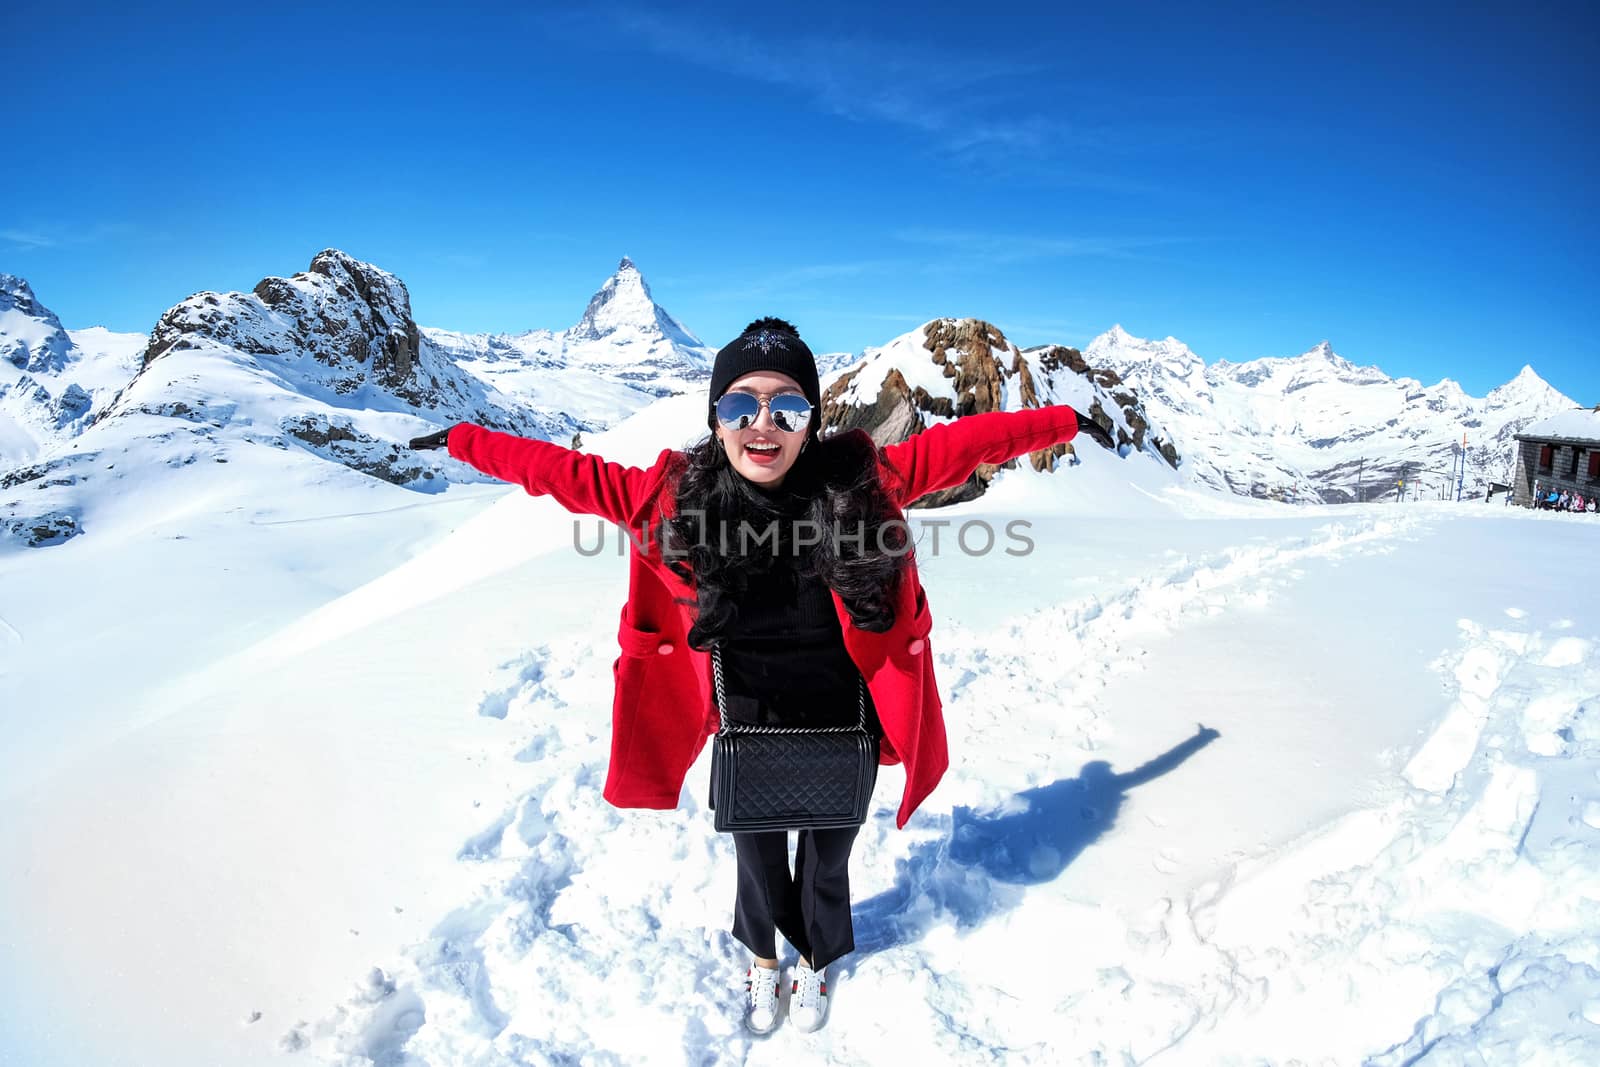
799	626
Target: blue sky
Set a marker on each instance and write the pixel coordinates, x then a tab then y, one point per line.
1417	187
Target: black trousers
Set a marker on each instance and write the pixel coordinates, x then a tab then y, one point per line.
811	907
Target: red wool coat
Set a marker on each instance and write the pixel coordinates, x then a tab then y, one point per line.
663	709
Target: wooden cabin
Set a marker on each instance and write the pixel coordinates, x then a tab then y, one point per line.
1560	453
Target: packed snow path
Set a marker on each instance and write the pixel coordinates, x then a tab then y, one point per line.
1109	872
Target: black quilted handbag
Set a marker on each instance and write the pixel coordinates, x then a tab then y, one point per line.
790	777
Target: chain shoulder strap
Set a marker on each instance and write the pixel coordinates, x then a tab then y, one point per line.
725	725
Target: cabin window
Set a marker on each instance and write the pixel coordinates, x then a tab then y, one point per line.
1545	453
1594	464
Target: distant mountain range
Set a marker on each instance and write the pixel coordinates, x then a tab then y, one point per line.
1318	427
328	366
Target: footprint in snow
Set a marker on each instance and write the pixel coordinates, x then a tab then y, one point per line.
1168	860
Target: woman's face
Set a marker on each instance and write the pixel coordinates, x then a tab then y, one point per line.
750	449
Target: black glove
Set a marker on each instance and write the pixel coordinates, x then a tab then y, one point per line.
1094	430
432	440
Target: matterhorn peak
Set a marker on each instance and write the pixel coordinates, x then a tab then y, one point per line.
624	306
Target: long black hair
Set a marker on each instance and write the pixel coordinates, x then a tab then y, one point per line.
833	488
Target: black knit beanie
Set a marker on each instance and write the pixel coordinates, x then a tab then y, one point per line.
767	344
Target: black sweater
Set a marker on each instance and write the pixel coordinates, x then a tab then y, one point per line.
785	663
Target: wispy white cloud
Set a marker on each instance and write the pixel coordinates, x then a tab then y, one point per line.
966	102
24	239
28	238
996	249
936	252
997	115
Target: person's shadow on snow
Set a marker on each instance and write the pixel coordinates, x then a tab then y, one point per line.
979	869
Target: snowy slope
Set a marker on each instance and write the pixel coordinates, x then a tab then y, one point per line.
1316	426
53	381
625	352
1097	881
1206	804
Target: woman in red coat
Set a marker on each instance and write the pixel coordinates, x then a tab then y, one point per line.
789	553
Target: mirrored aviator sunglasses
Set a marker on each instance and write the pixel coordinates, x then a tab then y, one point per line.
790	411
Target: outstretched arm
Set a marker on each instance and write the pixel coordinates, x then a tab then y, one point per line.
948	453
578	481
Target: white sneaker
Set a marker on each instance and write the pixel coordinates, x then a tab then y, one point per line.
761	998
808	997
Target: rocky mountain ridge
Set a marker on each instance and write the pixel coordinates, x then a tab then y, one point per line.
949	368
327	364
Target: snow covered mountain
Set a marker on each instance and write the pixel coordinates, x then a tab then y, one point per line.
1318	427
948	368
625	352
324	366
53	380
329	366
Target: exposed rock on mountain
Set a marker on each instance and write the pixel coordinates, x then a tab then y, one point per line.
327	362
342	326
52	379
31	337
949	368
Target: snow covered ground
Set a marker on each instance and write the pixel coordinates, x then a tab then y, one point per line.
1231	782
